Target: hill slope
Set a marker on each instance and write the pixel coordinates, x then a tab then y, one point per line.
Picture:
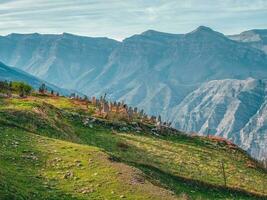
66	171
13	74
99	158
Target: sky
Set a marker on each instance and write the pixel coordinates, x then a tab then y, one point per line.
119	19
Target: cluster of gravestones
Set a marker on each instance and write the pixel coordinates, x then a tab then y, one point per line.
105	107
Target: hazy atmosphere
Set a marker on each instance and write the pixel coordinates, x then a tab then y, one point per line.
119	18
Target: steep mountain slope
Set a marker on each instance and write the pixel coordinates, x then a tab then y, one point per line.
156	70
146	70
233	109
256	38
109	159
13	74
58	59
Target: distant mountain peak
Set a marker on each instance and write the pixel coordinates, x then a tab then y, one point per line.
151	32
204	28
205	31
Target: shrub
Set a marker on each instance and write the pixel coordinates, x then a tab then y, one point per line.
22	88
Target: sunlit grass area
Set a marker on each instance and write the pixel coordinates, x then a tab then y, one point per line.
51	154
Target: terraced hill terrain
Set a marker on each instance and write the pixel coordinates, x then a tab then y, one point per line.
60	148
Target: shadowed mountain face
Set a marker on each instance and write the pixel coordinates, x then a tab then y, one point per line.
59	59
152	70
13	74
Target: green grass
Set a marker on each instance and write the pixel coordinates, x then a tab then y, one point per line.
36	167
188	166
183	160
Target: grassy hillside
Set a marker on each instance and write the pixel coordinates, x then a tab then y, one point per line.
58	148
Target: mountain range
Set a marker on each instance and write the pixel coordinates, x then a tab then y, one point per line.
166	74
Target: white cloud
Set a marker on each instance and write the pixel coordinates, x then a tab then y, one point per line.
121	18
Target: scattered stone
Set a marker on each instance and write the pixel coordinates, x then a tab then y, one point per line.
122	196
86	190
15	144
57	159
138	129
250	164
138	179
68	175
85	121
79	164
30	157
185	196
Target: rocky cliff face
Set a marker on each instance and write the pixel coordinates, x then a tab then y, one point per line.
233	109
59	59
254	38
156	70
